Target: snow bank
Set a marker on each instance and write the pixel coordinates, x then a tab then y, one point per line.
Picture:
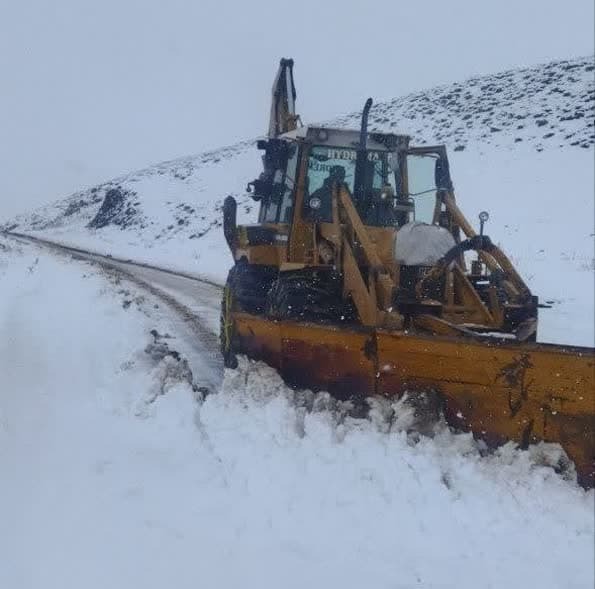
342	502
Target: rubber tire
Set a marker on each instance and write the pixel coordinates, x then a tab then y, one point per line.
308	297
226	330
249	285
245	290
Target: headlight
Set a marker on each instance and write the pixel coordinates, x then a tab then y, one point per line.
315	203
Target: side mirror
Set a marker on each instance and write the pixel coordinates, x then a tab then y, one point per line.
276	152
260	189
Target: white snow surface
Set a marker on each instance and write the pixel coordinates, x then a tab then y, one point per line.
115	472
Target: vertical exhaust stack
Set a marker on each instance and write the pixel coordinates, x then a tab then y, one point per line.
362	159
283	117
364	126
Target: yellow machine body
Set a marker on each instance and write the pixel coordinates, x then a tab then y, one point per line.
364	278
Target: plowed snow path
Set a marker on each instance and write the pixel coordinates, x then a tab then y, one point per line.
195	302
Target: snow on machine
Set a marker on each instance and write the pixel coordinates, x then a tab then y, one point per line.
362	277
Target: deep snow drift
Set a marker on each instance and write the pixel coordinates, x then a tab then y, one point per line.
115	473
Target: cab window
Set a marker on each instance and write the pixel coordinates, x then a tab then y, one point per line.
286	207
270	209
279	174
327	165
422	185
323	159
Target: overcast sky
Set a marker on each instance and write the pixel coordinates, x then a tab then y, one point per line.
92	89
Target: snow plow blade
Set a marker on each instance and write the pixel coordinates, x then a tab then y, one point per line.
499	390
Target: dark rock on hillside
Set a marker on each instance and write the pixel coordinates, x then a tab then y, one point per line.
116	209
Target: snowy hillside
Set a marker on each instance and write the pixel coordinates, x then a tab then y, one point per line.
521	146
548	106
117	471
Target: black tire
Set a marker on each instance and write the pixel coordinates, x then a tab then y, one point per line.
250	285
309	296
226	331
245	290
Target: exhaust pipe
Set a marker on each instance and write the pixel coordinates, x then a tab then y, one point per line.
364	126
359	183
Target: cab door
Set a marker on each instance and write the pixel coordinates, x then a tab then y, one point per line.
426	177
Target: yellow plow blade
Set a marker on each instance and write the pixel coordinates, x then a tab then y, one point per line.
498	390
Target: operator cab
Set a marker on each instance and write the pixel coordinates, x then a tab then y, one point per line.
399	185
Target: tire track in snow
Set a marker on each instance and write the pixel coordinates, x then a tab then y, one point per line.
194	301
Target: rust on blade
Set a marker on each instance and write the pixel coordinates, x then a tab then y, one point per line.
321	357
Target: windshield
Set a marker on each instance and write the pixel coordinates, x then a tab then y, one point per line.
329	164
323	159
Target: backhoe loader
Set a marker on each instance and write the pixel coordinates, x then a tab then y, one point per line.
363	277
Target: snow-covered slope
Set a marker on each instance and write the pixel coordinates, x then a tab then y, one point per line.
549	106
521	146
117	473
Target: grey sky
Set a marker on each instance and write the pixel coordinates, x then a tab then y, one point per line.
94	89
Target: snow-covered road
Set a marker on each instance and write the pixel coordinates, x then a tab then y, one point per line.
195	302
118	472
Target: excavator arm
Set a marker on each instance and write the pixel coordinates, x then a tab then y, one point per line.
283	117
